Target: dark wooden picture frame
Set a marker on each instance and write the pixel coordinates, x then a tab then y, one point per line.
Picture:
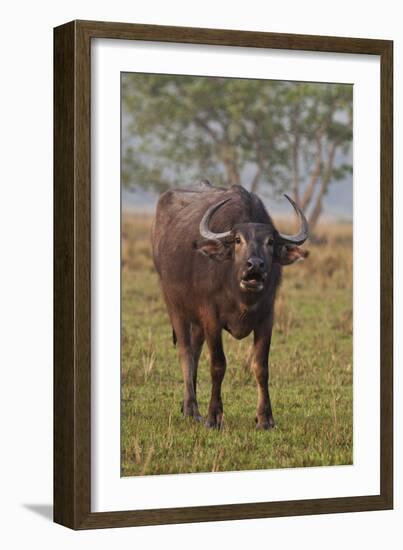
72	270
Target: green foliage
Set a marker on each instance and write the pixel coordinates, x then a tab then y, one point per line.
180	128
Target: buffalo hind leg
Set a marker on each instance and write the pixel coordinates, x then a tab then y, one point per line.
188	366
262	338
217	370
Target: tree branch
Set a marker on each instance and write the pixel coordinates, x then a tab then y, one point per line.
204	125
325	180
308	193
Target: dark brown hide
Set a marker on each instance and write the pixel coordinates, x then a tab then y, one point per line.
211	285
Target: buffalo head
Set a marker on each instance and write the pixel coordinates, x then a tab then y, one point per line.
252	247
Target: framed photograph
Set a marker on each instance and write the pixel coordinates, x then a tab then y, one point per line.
222	275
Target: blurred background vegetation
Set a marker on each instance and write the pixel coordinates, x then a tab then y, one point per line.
269	136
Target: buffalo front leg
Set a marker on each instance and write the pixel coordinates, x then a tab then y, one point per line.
262	338
189	367
217	370
197	340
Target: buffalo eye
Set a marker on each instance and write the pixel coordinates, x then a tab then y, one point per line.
270	241
238	240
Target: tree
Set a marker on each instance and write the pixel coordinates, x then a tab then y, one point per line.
267	135
318	131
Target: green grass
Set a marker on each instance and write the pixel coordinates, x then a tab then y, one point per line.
310	384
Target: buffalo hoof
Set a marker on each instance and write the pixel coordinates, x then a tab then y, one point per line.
191	410
266	424
213	425
214	421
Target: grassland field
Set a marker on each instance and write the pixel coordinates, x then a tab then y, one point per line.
311	370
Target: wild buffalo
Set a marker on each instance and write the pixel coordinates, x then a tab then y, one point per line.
219	258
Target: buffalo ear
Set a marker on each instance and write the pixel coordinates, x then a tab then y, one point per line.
290	253
214	249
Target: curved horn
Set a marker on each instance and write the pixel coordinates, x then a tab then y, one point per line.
203	227
303	234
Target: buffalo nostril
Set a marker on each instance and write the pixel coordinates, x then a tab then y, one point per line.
255	263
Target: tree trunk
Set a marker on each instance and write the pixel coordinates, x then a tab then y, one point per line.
295	155
307	196
228	157
315	214
325	180
232	173
255	181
